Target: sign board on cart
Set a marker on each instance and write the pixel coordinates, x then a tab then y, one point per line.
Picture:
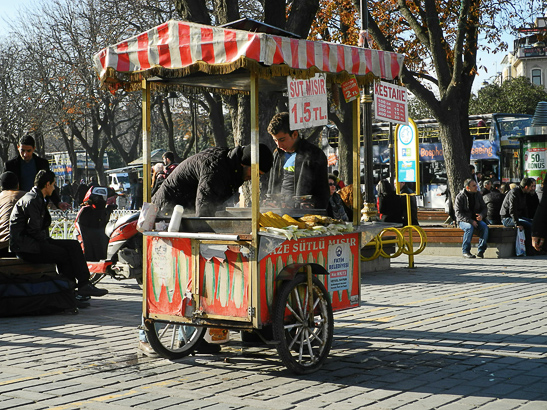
390	103
307	102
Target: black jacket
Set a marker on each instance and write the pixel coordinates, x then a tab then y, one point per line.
493	201
539	225
310	174
514	205
29	223
532	202
390	207
462	209
202	182
413	206
14	165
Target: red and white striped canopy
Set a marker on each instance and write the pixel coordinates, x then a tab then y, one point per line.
177	49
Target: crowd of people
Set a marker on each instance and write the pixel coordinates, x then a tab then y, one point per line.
485	201
27	186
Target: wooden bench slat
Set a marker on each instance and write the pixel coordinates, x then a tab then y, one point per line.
15	266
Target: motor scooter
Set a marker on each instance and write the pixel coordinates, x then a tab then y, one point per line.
112	248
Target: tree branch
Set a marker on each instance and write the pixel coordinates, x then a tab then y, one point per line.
438	46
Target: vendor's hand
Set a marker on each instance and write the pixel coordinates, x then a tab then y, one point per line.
479	217
537	242
63	206
520	227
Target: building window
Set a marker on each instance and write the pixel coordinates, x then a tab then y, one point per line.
536	76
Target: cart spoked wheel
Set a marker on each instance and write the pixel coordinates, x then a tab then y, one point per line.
304	333
173	340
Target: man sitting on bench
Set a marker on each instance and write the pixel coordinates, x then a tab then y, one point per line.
8	197
30	240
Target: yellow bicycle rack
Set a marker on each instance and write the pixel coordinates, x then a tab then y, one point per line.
403	241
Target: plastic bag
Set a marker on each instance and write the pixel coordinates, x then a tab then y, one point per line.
147	217
520	243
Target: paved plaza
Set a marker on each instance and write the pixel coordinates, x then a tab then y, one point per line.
450	334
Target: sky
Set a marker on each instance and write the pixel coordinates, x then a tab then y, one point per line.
492	62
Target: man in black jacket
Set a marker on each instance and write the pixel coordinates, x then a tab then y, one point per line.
299	168
30	240
493	201
539	225
514	211
204	181
27	164
470	213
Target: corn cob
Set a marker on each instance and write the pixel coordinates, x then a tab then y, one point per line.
270	219
292	221
277	220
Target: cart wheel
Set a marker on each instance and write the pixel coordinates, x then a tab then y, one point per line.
303	348
165	338
94	278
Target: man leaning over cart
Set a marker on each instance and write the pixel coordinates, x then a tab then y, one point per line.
299	168
202	183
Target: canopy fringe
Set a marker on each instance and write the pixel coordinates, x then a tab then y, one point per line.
116	80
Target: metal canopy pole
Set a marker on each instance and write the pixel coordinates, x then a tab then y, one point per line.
146	178
255	203
146	170
357	200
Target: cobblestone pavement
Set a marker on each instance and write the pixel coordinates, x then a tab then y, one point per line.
450	334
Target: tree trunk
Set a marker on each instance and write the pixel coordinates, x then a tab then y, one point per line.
456	154
216	118
303	13
193	10
226	10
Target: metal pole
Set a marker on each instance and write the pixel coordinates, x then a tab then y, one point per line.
369	207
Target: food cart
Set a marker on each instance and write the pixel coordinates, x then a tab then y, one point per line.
224	272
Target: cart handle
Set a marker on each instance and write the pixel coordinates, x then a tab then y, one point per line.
198	235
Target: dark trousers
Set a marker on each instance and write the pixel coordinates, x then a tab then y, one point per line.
66	254
5	253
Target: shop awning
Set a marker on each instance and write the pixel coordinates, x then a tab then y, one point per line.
177	49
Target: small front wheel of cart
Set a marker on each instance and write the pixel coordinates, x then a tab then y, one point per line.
304	335
173	340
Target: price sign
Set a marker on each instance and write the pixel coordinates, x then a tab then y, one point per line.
350	89
390	103
307	102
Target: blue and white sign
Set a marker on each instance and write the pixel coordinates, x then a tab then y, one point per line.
406	153
339	265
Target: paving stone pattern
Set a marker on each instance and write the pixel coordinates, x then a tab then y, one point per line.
451	334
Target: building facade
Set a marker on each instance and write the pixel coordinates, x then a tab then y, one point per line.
529	56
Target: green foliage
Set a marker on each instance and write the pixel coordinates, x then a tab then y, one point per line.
515	96
418	110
